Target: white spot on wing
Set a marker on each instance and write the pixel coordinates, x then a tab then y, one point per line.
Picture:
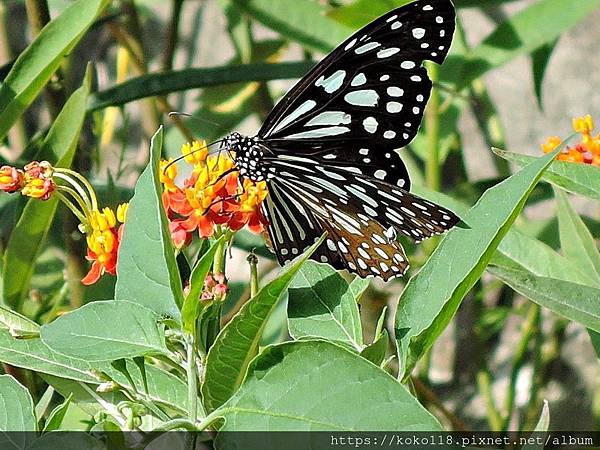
330	118
298	112
418	33
366	47
359	80
387	52
380	174
333	82
394	91
319	132
370	124
364	97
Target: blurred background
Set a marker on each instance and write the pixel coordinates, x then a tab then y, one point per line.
472	369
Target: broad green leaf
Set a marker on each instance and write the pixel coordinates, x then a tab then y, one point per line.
539	24
325	376
574	301
576	241
16	322
539	63
147	271
432	297
189	311
57	415
36	64
583	179
30	232
151	85
540	259
34	355
16	414
237	343
321	304
307	25
108	330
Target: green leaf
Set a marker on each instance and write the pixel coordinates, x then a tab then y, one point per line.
57	415
539	258
576	241
377	350
107	330
16	322
583	179
151	85
307	25
358	286
30	232
237	343
539	63
540	24
324	377
43	403
541	428
573	301
321	304
16	414
432	297
146	270
36	64
34	355
189	311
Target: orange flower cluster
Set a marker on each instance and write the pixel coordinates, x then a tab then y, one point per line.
210	196
586	152
103	229
103	239
35	180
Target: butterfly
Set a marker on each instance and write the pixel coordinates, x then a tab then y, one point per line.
327	149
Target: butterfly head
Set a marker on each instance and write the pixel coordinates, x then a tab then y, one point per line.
248	155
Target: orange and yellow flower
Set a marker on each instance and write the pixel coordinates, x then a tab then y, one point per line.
587	151
11	179
103	239
211	195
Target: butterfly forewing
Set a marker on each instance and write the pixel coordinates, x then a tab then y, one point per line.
368	96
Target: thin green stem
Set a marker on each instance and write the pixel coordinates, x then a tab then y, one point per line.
172	35
253	261
88	186
529	330
69	204
484	385
192	378
432	123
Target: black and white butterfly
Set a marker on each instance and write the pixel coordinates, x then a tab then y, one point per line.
327	150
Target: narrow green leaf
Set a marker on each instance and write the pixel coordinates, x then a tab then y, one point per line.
541	428
147	271
189	311
573	301
308	25
237	343
324	375
432	297
56	416
16	414
179	80
540	24
377	350
583	179
108	330
42	405
576	241
34	66
539	63
30	232
321	304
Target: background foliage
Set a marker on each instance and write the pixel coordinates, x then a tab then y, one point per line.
493	318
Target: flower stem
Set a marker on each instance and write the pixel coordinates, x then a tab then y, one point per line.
192	378
253	260
432	122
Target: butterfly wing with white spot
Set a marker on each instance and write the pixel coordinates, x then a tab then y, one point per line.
367	97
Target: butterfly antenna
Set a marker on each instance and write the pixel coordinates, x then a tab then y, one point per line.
200	119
